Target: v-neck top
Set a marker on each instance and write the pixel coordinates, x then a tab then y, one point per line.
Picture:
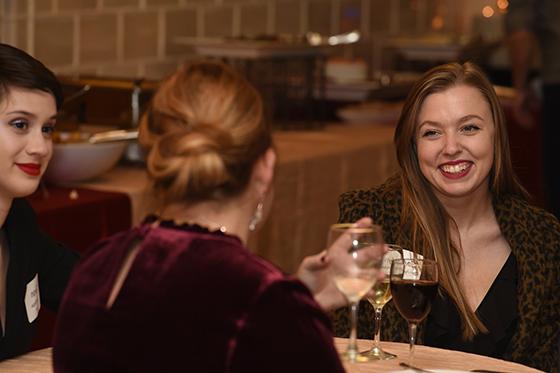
497	311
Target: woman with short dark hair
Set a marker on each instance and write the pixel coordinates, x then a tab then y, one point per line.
34	270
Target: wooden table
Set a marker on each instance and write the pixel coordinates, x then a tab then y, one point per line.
428	358
314	168
425	357
39	361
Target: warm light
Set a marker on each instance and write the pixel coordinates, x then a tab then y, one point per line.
487	11
502	4
437	23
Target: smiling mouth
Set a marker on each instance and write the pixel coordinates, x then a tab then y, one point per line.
455	169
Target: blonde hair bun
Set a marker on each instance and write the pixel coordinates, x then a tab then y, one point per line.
203	132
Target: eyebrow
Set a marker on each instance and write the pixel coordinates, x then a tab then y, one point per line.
464	119
29	114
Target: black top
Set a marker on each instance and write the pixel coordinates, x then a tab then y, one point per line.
31	253
497	311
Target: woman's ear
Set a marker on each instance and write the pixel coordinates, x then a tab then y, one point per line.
263	172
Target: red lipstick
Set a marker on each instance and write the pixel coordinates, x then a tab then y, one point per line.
32	169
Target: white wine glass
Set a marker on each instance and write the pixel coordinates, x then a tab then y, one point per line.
378	297
356	254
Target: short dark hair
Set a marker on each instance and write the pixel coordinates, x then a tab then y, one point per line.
19	69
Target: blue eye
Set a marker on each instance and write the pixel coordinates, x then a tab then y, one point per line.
470	128
429	133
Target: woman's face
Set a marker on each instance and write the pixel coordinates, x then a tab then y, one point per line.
455	141
27	119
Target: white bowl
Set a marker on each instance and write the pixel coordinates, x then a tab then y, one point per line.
72	162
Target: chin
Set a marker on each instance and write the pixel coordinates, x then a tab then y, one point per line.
25	189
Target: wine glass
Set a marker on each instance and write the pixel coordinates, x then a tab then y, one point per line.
356	253
378	297
414	284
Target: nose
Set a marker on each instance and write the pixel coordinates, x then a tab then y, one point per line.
452	144
38	144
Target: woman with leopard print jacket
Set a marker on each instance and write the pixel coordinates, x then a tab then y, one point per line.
457	200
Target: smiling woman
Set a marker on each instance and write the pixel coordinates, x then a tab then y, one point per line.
455	141
33	269
27	118
457	200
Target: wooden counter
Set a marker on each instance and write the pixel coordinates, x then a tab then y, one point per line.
314	168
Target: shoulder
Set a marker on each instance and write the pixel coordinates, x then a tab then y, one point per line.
385	199
388	189
21	211
518	216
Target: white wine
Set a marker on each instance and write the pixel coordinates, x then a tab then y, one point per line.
354	288
381	294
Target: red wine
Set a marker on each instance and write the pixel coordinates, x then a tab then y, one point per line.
413	298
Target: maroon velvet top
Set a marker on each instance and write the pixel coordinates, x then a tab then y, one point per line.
193	301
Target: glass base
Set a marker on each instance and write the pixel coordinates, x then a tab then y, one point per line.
353	357
376	353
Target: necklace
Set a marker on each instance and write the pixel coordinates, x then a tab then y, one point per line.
201	222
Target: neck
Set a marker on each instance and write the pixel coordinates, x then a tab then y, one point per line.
5	204
228	216
470	210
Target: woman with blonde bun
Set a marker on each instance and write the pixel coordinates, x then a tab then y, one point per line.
181	292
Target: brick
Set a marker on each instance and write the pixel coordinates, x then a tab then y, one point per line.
254	19
76	4
179	23
53	40
120	3
288	17
159	70
98	38
218	22
140	34
42	6
319	16
161	2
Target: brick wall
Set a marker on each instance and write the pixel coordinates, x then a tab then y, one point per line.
133	38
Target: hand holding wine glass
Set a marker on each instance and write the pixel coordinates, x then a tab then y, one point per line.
356	253
414	284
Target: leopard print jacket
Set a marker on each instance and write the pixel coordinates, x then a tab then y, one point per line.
534	237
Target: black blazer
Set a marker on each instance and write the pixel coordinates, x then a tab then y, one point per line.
31	252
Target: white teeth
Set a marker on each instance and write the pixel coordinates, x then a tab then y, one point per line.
455	169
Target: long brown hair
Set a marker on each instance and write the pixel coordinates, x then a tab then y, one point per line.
423	213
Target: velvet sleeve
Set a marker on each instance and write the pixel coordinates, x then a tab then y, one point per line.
286	332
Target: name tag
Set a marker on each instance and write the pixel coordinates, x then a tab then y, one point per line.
32	299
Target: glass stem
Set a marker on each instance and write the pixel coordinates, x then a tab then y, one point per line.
353	345
377	327
412	334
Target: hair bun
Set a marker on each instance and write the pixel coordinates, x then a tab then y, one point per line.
190	157
203	132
